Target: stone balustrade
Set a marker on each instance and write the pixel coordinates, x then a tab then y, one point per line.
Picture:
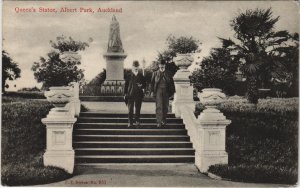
59	124
208	132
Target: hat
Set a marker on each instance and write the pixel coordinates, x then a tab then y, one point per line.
162	62
135	63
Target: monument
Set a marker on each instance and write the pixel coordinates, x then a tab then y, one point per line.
114	57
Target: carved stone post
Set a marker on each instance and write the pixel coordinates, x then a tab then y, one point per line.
212	131
75	99
184	90
59	123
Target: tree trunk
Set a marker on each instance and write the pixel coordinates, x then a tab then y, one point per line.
3	85
252	89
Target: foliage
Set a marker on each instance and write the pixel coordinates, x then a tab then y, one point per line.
12	96
10	70
261	141
256	173
170	66
52	71
217	71
182	45
259	48
288	84
99	79
174	46
62	44
23	143
29	89
271	105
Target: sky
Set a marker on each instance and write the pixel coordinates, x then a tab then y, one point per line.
144	27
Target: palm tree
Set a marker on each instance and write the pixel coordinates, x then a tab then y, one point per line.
258	47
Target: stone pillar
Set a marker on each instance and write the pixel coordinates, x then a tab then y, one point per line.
184	90
75	99
212	131
59	124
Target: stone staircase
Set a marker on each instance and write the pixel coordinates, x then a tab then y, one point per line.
105	138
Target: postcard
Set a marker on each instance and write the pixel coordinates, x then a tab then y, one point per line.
150	93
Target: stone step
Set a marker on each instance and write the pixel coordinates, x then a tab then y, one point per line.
132	138
100	165
130	132
134	151
113	144
135	159
125	126
122	120
95	114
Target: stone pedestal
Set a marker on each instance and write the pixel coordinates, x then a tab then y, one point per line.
184	91
59	152
114	66
212	132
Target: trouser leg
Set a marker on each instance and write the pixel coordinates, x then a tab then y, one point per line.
165	105
138	105
130	105
159	105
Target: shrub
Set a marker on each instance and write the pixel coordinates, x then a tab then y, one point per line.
261	141
16	96
217	70
23	143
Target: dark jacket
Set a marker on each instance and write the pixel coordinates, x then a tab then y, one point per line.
131	89
156	76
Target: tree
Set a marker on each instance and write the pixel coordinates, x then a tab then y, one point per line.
62	44
182	45
288	81
217	70
10	70
52	71
257	46
176	45
99	79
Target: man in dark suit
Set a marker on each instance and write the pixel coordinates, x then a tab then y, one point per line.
162	87
134	93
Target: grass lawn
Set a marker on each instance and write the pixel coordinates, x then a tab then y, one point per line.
23	143
261	141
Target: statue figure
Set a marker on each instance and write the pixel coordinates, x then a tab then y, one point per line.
114	41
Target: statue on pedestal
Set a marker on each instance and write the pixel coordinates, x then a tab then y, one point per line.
114	41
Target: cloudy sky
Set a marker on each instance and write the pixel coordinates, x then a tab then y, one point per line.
144	28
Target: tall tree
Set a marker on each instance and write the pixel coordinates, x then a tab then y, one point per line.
257	46
52	71
10	70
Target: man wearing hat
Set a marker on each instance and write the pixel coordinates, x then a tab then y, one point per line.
134	93
162	87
